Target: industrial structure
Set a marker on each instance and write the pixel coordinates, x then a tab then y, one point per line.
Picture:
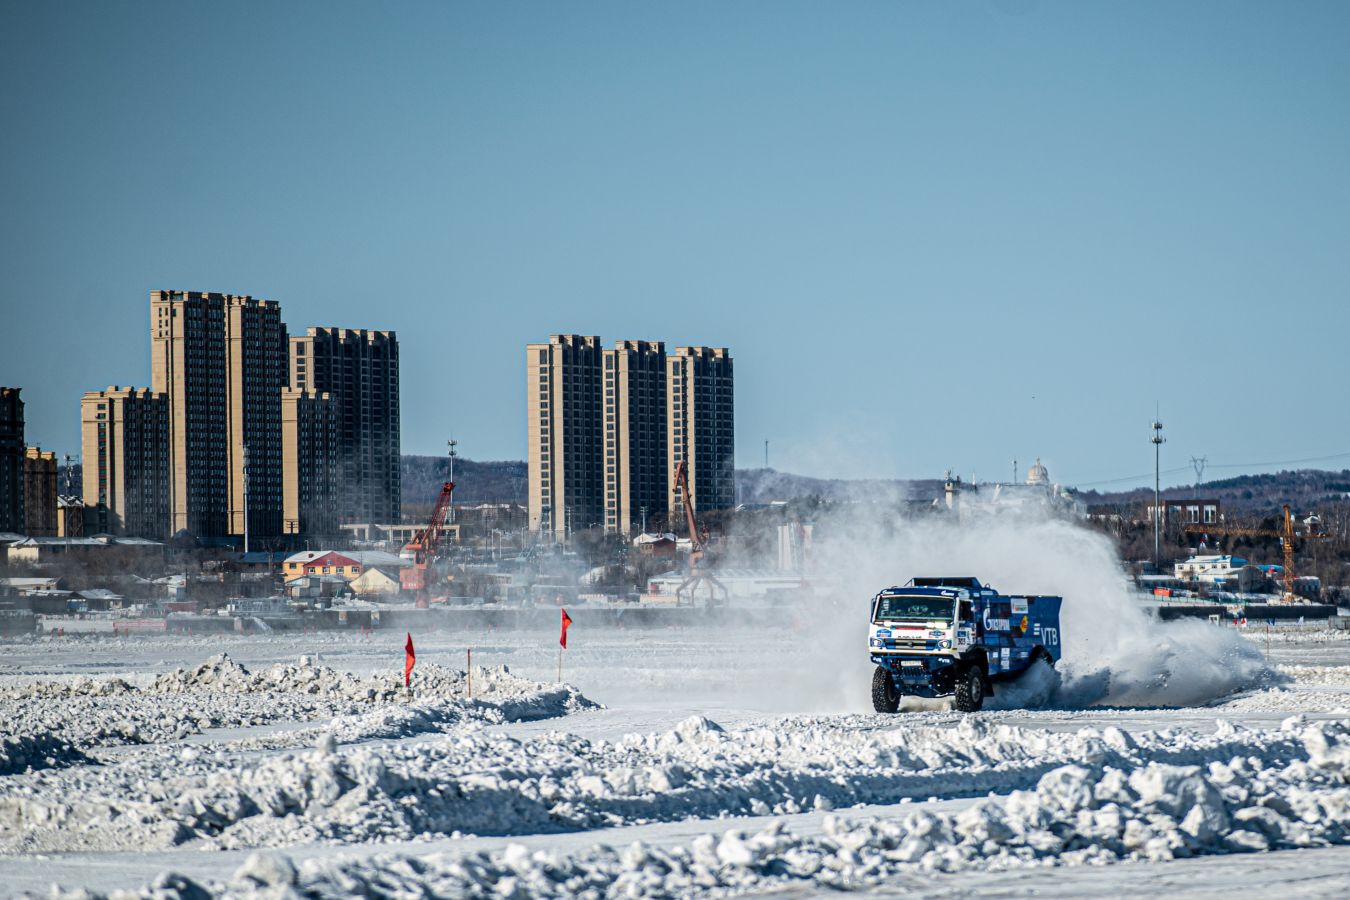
698	578
1287	535
424	549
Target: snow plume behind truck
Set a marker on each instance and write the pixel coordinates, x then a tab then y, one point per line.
939	637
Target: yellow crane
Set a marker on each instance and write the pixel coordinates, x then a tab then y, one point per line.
1286	535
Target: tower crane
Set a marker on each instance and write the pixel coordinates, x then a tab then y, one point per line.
1286	535
698	548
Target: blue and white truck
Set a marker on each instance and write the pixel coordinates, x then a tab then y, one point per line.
940	637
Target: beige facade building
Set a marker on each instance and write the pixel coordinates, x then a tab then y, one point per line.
309	463
702	425
566	434
12	451
39	492
221	361
124	437
358	369
637	482
69	517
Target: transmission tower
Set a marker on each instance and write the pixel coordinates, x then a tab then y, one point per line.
1199	463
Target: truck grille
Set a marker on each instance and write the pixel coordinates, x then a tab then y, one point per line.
913	644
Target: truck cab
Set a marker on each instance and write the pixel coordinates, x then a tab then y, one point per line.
953	636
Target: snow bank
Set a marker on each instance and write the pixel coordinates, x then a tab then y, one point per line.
1087	813
84	713
473	781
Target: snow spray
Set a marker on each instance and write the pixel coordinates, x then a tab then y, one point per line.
1115	652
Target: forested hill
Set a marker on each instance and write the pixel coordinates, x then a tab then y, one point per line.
506	481
475	482
1305	490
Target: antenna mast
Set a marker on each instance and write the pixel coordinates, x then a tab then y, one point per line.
1158	440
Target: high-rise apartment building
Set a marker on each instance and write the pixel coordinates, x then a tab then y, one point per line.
566	434
12	450
702	425
310	472
124	436
637	483
221	361
39	492
358	369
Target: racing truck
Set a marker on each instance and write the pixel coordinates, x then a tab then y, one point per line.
956	637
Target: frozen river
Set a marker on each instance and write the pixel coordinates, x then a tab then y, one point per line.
709	760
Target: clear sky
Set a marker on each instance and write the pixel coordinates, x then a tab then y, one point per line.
932	234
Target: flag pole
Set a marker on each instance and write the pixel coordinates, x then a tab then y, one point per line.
469	673
560	650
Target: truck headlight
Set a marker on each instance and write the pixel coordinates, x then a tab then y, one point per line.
944	645
875	642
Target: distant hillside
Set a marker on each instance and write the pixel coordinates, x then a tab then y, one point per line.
506	481
475	482
1306	490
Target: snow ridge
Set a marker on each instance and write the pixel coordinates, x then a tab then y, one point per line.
1088	813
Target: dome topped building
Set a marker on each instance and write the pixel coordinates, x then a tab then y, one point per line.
1038	474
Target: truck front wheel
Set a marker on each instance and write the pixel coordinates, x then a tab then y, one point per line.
885	698
970	689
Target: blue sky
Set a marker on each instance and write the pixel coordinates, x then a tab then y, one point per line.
933	235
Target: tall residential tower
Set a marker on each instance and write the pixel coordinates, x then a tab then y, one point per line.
39	492
124	436
566	434
310	472
358	369
12	450
637	482
702	425
220	359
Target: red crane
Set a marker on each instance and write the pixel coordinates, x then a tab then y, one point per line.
698	548
425	546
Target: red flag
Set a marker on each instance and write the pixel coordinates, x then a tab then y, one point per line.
566	620
409	658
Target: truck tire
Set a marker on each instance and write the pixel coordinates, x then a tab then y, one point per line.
970	689
885	698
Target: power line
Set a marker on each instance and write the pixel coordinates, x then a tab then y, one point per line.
1244	465
1131	477
1283	462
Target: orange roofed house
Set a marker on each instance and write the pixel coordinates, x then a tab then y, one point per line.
350	564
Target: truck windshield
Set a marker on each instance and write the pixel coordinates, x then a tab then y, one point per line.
899	606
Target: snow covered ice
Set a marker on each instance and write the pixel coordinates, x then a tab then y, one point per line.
678	761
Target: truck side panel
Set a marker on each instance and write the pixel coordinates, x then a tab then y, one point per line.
1011	628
